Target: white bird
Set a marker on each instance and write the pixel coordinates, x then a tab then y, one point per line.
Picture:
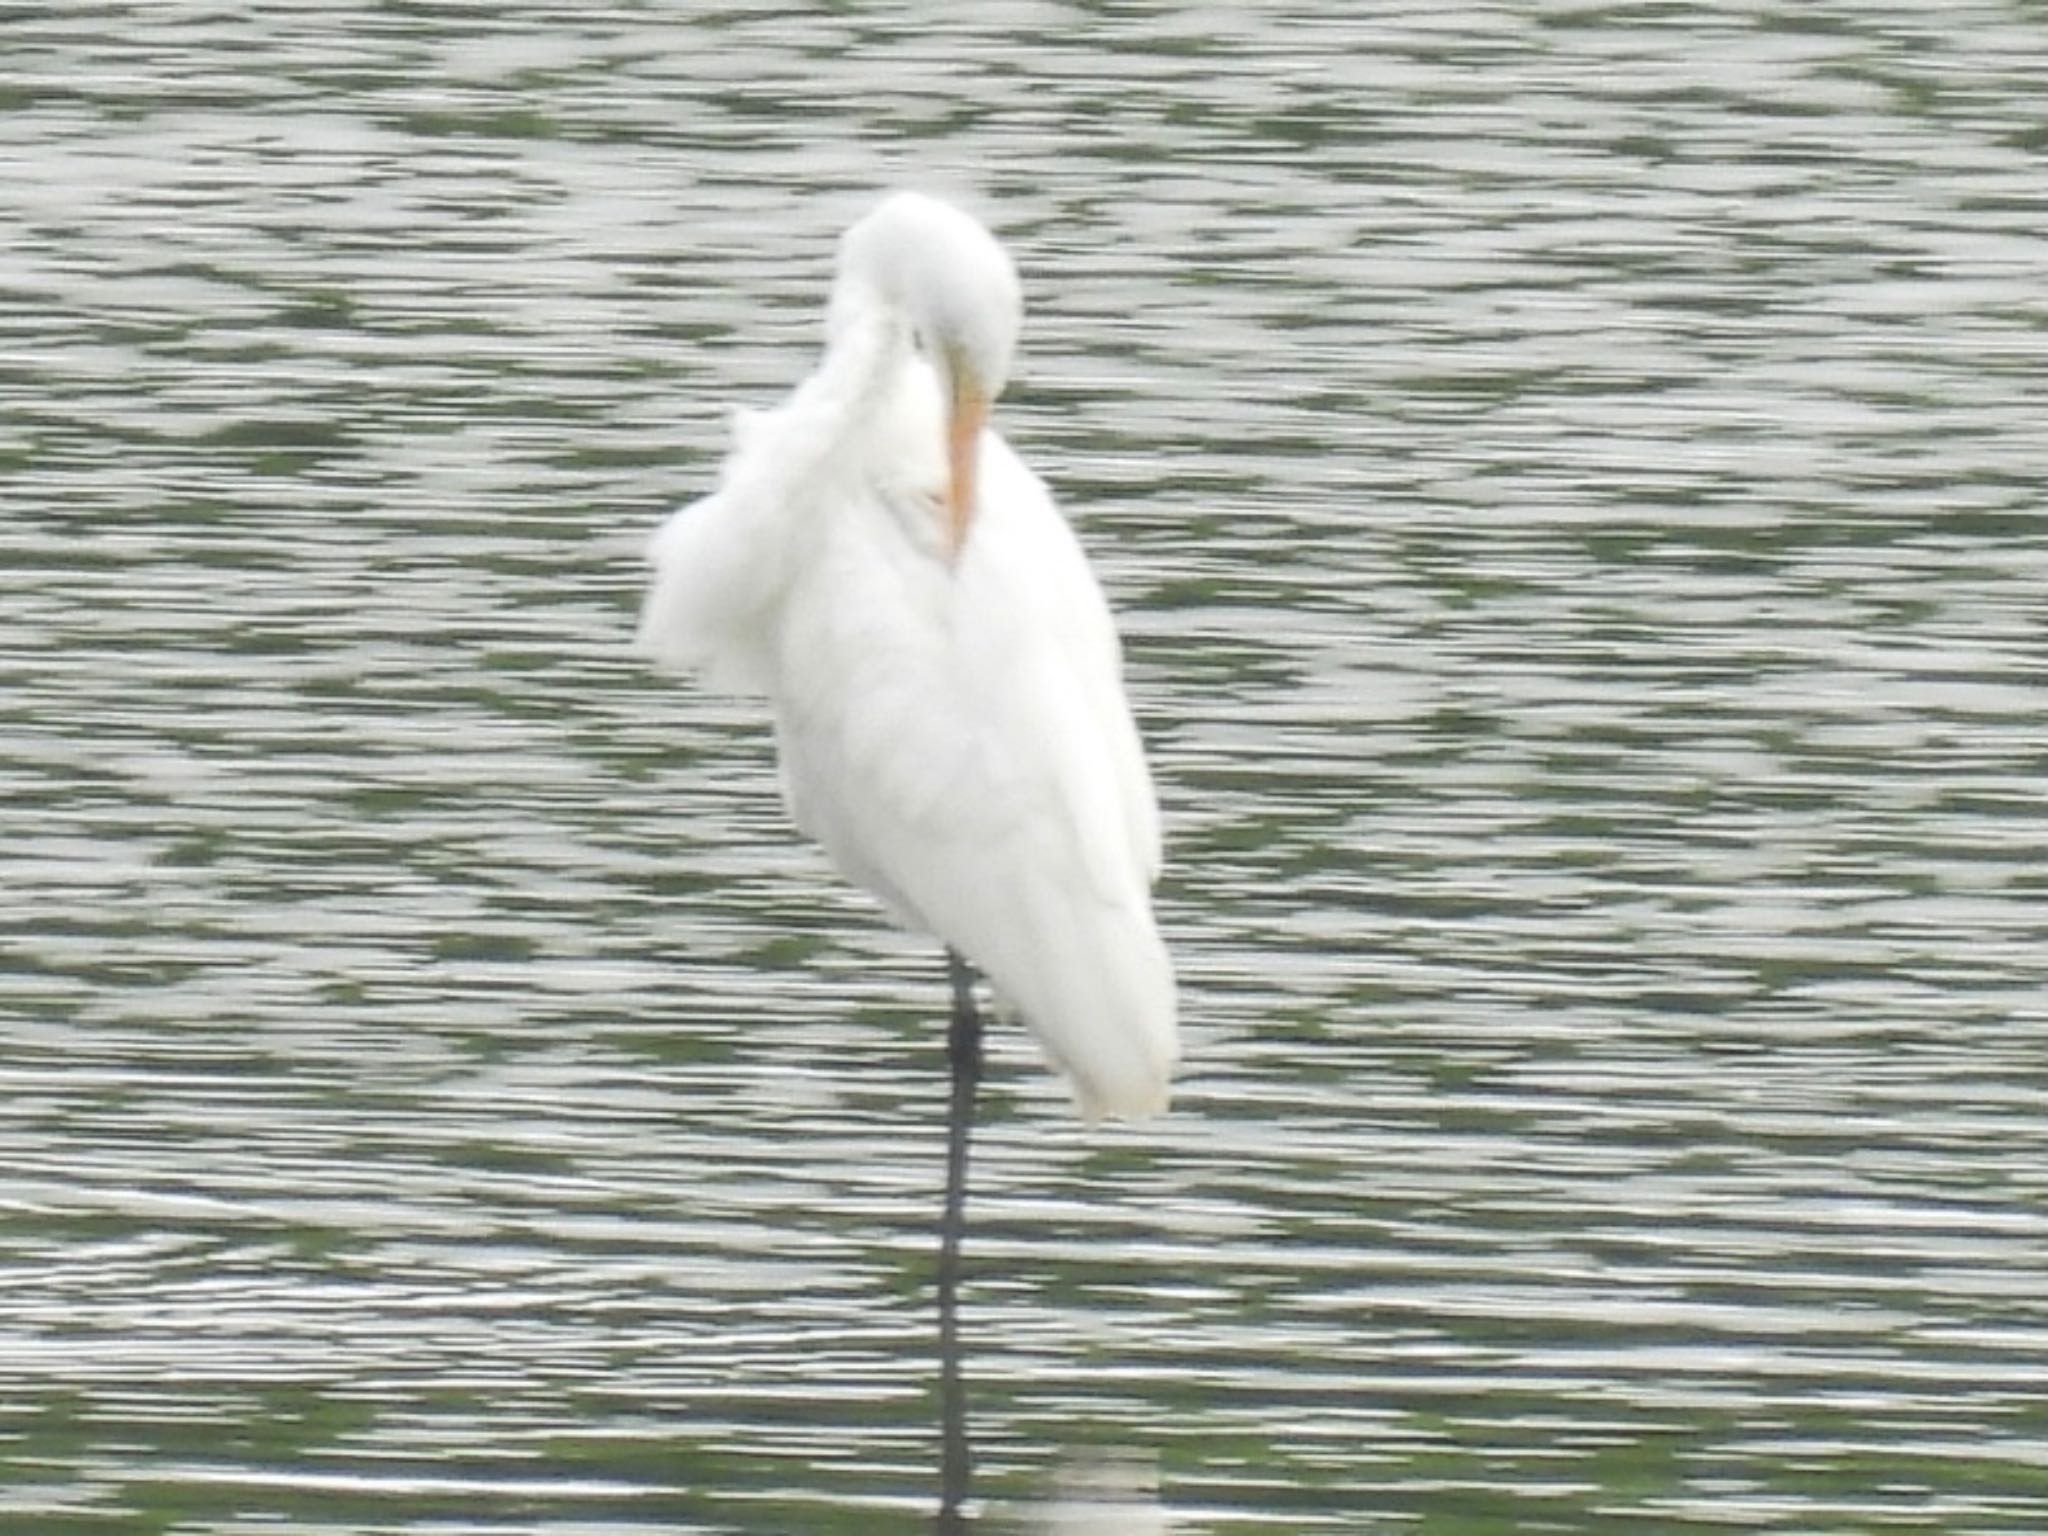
944	675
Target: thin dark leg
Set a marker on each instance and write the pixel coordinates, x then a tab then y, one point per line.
963	1052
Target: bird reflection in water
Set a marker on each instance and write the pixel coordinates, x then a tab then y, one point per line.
1093	1494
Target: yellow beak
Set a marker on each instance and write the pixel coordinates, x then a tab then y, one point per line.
966	415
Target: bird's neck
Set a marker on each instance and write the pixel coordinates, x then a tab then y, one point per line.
857	380
866	347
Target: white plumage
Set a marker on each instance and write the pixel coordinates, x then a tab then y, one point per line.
945	678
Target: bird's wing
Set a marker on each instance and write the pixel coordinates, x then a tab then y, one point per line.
960	743
1032	616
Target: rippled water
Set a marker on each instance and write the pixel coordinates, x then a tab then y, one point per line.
1573	477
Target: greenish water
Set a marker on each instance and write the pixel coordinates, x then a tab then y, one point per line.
1573	478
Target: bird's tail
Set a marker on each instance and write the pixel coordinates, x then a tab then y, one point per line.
1104	1013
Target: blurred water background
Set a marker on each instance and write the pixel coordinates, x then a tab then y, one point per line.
1572	474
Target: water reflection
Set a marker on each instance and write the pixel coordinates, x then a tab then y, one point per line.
1105	1493
1090	1492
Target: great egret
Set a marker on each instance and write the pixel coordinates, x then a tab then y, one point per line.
945	678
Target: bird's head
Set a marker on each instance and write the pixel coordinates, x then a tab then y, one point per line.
955	287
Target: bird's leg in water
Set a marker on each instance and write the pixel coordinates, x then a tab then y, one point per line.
963	1050
963	1054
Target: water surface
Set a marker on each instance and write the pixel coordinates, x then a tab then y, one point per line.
1571	475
